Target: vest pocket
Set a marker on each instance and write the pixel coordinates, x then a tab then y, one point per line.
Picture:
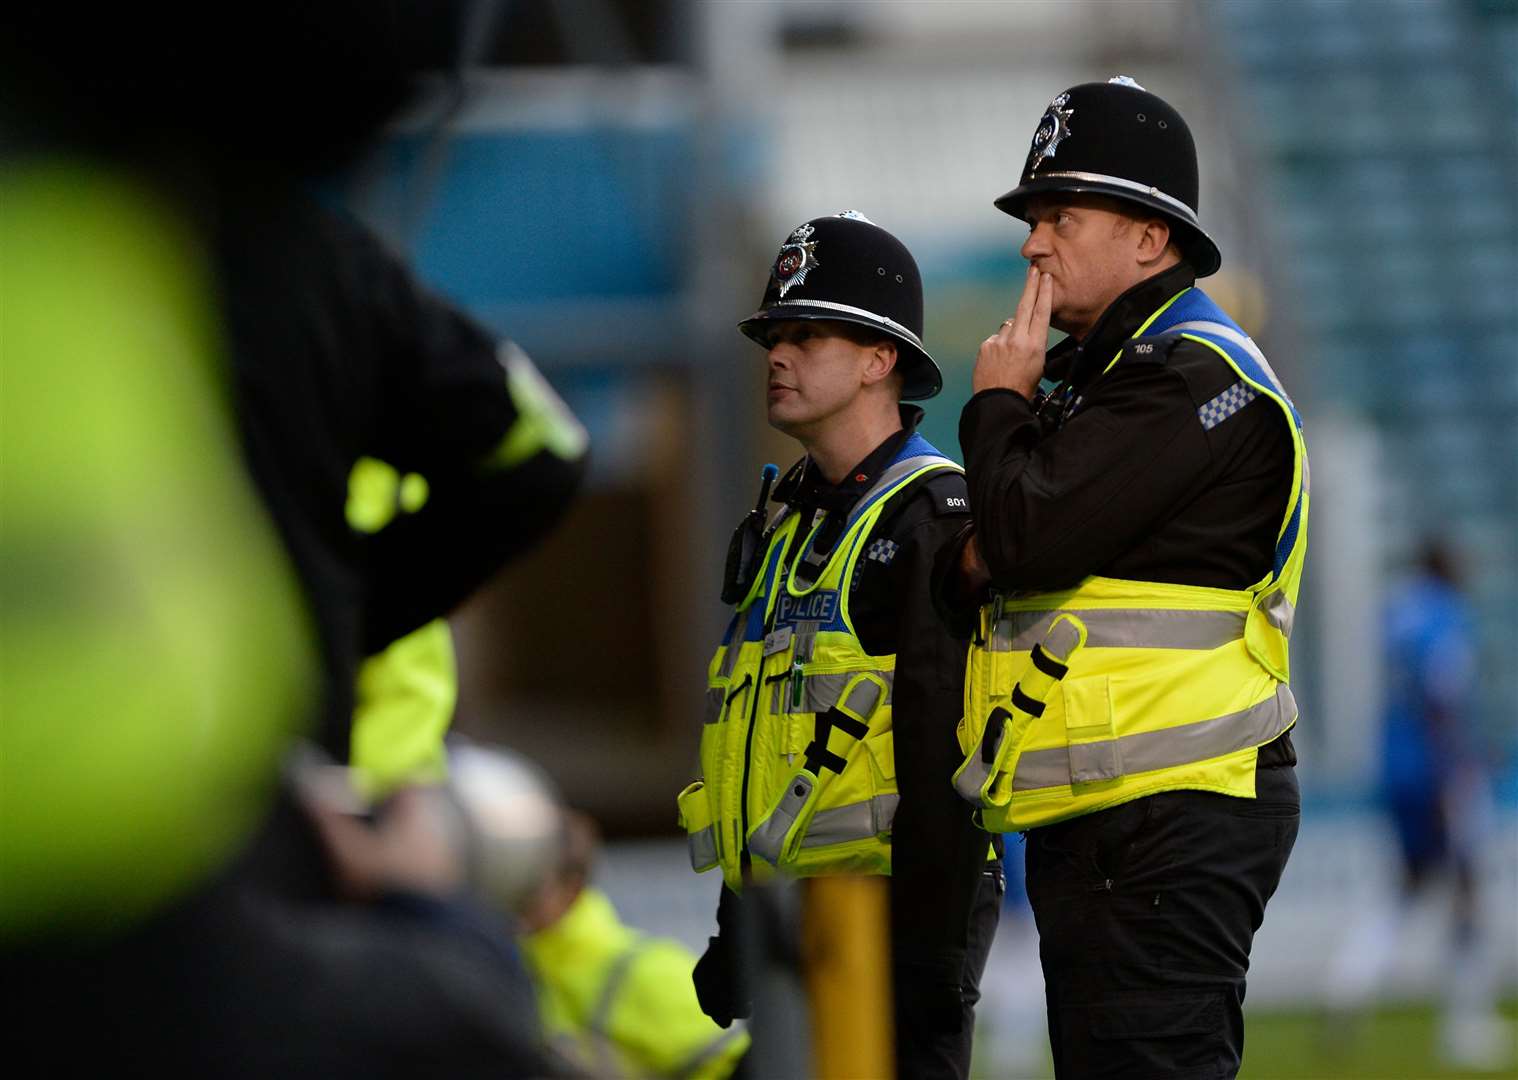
882	750
696	819
1089	731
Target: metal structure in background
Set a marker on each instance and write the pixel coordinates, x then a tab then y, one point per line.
1388	133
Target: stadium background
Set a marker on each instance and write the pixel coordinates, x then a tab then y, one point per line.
613	181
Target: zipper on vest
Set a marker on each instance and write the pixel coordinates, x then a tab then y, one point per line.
745	860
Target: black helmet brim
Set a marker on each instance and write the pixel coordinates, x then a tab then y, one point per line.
921	378
1200	251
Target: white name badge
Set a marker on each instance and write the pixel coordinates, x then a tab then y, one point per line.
776	640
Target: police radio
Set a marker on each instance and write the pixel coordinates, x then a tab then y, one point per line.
744	550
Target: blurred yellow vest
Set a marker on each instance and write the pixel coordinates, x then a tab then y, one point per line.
621	1003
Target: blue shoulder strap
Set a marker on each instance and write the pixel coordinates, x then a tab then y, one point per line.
914	454
1195	314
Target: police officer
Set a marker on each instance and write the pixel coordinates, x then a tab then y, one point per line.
1136	551
834	694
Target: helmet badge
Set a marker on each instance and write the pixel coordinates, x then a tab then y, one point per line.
1053	129
797	257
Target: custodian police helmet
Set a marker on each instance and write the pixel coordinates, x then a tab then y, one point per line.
1117	139
848	269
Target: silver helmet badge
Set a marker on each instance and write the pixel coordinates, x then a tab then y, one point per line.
1053	129
798	255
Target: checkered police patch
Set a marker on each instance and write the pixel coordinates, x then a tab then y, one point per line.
882	551
1226	404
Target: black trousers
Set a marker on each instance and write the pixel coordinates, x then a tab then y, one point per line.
928	1048
1146	914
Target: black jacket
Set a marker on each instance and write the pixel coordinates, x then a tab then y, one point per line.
337	352
1112	472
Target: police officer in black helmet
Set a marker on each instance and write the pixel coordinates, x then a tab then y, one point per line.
1156	497
835	594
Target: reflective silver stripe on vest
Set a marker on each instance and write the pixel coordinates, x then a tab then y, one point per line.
1243	341
598	1025
1279	610
903	468
1124	628
769	838
1150	750
693	1064
703	849
972	778
1061	641
714	700
820	692
863	699
730	658
857	821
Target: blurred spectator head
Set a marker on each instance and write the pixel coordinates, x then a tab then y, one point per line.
514	827
1439	559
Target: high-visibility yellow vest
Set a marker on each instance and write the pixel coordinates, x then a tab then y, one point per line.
798	765
1079	700
621	1003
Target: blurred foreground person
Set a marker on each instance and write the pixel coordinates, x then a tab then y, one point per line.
1130	582
613	999
157	663
157	655
828	744
204	950
1436	792
340	354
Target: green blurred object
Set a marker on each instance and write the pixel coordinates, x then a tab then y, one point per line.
1392	1043
404	695
154	653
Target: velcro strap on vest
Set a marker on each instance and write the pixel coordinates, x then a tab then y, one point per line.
996	723
818	756
1028	705
847	724
1047	664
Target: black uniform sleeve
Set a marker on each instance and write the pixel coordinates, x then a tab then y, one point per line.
938	853
451	411
1052	509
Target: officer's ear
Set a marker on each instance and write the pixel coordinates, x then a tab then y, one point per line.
881	362
1154	241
